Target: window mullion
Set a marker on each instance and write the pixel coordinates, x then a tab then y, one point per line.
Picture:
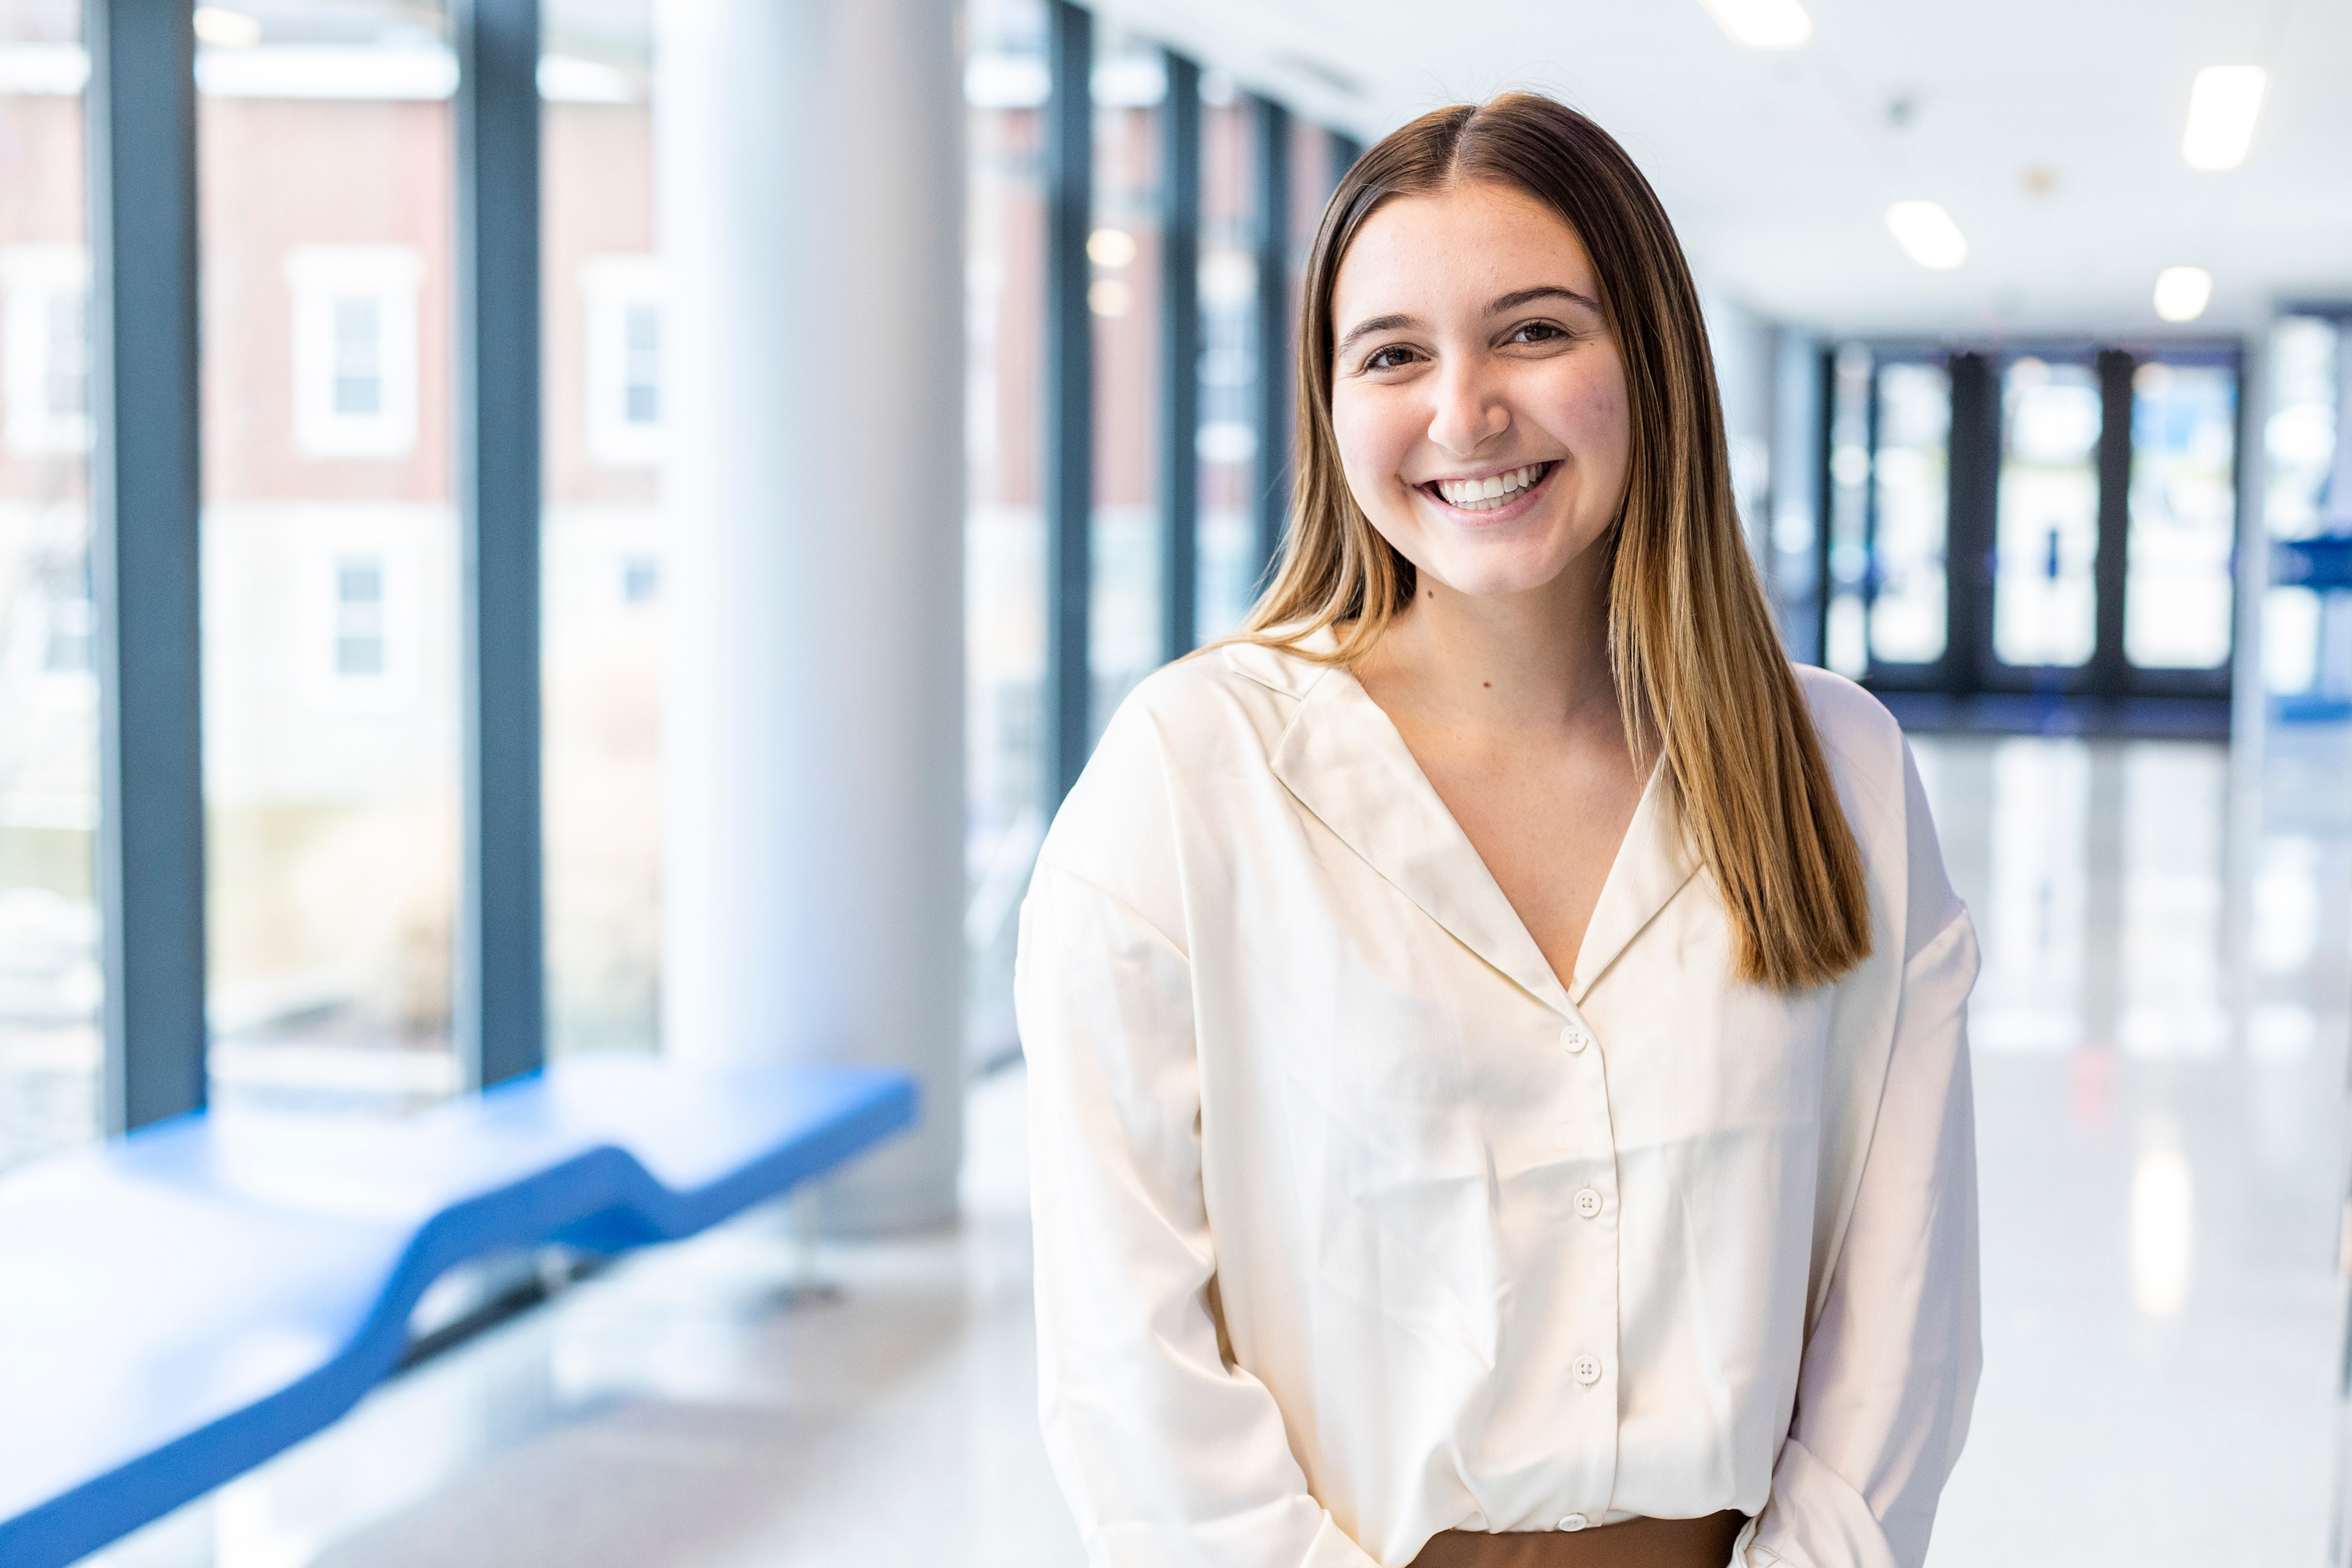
500	1008
141	108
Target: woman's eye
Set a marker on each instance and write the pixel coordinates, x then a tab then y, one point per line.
1395	356
1538	332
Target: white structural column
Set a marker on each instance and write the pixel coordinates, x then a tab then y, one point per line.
809	187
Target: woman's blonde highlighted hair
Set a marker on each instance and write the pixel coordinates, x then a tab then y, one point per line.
1697	663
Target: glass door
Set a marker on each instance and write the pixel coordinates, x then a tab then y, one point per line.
1909	517
2179	608
1889	490
2056	522
2046	529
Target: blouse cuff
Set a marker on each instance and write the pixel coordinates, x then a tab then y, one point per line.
1815	1520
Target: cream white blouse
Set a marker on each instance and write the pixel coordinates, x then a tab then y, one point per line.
1354	1224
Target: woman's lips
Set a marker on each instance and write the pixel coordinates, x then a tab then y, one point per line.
1487	510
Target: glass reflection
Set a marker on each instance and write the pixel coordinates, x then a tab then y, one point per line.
2030	993
2163	1225
2047	537
2174	817
2286	906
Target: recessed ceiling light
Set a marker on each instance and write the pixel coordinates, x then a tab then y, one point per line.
229	29
1927	234
2182	292
1761	24
2222	104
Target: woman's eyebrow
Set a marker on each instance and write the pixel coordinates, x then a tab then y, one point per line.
1513	301
1377	324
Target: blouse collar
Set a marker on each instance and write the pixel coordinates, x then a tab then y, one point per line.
1345	762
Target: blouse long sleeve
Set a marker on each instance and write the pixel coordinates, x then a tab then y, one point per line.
1890	1365
1169	1454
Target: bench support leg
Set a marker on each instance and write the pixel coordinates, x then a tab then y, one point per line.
807	1288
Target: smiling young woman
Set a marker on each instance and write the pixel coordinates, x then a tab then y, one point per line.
1499	1084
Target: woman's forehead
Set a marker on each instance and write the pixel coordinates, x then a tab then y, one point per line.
1472	238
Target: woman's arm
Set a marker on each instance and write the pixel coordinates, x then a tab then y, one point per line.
1890	1367
1167	1454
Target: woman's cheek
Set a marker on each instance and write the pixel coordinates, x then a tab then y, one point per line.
1366	457
1607	421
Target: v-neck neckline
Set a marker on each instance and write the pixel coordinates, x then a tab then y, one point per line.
1347	762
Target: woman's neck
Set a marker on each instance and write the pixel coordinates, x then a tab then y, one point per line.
1532	665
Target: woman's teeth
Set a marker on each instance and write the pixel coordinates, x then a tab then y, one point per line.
1494	490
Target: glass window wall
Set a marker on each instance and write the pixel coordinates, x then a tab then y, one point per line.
1227	444
49	983
1130	86
330	553
600	545
2304	645
1004	543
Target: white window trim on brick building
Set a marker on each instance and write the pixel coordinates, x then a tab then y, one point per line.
622	293
45	357
355	328
333	621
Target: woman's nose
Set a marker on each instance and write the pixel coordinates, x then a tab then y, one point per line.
1469	411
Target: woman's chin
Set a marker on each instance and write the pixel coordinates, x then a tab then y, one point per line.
1498	574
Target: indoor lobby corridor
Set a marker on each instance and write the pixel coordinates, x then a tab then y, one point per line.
560	560
2160	1124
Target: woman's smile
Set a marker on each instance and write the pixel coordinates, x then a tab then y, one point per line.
1485	500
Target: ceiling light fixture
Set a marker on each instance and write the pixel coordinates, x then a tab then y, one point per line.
1761	24
2222	104
2182	292
1927	235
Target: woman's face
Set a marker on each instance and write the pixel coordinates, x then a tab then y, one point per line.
1478	399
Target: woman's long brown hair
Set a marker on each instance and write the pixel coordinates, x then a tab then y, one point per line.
1696	661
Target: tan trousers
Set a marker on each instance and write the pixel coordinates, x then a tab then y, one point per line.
1635	1543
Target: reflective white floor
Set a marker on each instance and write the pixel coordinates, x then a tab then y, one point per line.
2160	1078
2160	1041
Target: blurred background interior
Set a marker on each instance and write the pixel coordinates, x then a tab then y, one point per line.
873	391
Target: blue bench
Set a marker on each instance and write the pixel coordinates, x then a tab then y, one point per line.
178	1305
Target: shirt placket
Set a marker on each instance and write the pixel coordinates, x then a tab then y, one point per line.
1592	1376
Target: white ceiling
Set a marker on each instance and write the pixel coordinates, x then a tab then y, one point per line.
1779	167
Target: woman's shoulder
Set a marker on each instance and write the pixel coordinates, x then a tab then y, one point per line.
1863	746
1203	705
1187	744
1851	722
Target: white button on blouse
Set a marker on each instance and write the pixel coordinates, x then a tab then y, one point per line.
1337	1187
